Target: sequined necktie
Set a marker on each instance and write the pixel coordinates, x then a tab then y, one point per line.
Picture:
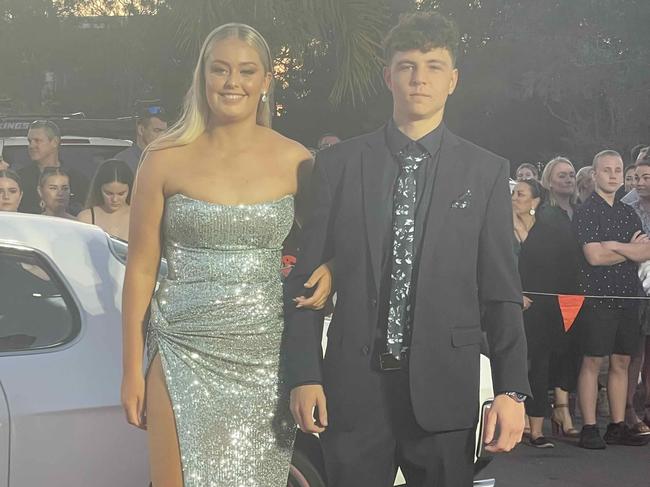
404	201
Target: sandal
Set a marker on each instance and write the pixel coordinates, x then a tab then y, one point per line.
640	429
558	425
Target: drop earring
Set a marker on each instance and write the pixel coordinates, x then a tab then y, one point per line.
265	97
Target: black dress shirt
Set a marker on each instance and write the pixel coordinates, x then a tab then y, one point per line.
596	221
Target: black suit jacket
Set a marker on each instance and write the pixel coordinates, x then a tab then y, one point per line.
466	271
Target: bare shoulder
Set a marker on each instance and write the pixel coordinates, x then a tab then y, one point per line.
161	160
286	150
158	166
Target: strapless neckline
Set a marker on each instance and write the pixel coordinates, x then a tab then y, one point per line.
240	205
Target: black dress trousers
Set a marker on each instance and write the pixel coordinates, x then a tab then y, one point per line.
388	437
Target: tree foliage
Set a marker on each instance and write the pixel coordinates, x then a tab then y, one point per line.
349	30
538	78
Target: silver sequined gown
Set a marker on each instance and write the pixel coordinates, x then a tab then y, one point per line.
216	321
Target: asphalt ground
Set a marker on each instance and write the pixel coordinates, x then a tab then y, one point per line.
568	465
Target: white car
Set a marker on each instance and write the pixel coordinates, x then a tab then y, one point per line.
61	421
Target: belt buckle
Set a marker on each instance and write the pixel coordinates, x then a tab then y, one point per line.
387	362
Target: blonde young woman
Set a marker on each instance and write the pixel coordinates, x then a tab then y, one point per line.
216	197
54	191
559	179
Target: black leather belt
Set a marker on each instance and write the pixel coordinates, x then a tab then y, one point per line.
388	362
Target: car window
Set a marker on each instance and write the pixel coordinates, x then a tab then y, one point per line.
36	310
83	158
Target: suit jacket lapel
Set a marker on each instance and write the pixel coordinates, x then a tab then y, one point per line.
450	169
375	196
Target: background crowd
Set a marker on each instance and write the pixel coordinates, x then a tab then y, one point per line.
46	186
584	234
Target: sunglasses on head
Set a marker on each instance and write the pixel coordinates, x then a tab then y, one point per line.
154	110
42	123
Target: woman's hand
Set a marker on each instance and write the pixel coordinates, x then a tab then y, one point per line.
133	399
527	302
322	279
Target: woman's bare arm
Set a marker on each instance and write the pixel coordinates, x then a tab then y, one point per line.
147	205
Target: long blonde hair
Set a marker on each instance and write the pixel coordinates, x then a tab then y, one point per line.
194	118
546	178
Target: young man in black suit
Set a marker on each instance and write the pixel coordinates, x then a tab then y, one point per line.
418	225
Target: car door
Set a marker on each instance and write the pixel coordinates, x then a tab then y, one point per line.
4	440
60	370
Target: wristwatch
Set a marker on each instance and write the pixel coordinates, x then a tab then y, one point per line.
516	396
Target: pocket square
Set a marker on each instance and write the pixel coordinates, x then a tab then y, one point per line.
463	200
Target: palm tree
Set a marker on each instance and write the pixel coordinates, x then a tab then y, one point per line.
350	30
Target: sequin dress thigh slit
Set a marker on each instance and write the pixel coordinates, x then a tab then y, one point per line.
216	322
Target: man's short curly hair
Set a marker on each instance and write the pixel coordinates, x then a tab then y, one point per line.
423	31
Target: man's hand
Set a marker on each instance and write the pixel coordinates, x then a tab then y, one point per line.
639	237
509	415
307	402
637	250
